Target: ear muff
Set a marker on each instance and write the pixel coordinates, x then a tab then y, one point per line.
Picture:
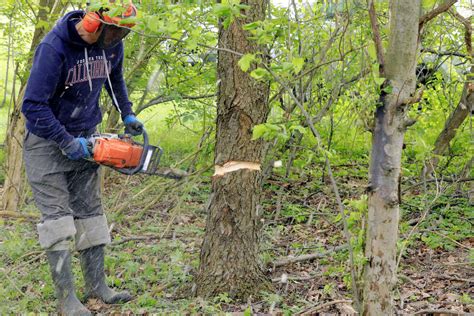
91	22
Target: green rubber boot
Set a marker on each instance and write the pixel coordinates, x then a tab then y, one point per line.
60	266
92	263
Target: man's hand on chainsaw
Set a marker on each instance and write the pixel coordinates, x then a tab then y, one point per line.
77	149
132	125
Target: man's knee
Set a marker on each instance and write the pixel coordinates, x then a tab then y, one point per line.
92	231
54	232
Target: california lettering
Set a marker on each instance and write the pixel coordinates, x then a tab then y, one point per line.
78	73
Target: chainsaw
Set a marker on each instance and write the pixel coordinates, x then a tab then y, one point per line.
121	153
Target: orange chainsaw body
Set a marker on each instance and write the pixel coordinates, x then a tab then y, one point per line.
117	153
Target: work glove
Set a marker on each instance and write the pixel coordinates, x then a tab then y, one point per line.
77	149
132	125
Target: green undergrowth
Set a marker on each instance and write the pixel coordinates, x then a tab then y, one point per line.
157	227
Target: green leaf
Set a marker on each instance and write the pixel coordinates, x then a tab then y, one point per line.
251	26
298	63
258	131
248	312
379	80
372	51
42	24
388	89
427	4
259	73
246	61
154	24
298	128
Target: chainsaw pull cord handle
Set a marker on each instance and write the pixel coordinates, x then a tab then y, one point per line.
138	168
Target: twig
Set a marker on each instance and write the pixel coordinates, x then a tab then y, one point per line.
311	256
469	263
13	214
410	280
447	237
294	278
164	99
439	311
435	180
467	30
35	252
423	216
448	277
311	310
442	53
377	38
137	238
13	283
434	13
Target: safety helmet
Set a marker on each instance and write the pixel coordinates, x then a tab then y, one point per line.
113	28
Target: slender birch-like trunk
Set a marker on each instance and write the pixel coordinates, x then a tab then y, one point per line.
385	164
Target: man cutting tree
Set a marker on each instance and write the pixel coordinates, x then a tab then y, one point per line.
74	61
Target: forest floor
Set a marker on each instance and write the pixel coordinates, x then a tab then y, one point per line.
157	227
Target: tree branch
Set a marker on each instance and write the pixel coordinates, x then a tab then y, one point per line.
467	30
434	13
376	37
313	309
164	99
307	257
440	53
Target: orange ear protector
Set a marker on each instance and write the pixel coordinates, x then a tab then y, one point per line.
92	21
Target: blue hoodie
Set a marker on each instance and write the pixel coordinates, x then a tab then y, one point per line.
62	96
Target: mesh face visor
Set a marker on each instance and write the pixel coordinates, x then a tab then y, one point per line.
111	35
113	32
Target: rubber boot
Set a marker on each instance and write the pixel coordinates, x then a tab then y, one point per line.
92	263
60	266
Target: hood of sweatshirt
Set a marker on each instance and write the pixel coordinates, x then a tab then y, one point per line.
65	29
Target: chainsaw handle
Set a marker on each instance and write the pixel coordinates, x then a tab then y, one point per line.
138	168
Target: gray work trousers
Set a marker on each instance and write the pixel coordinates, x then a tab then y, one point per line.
67	193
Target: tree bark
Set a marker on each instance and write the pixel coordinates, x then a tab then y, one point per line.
385	164
14	184
229	254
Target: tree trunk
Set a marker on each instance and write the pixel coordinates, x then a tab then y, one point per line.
229	254
385	164
14	184
465	106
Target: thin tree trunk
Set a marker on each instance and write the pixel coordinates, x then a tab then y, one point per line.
465	106
229	254
385	164
14	184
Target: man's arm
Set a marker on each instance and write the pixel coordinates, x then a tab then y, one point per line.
42	84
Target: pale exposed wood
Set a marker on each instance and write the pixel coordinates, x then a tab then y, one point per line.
232	166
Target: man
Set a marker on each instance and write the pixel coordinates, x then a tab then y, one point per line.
71	65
